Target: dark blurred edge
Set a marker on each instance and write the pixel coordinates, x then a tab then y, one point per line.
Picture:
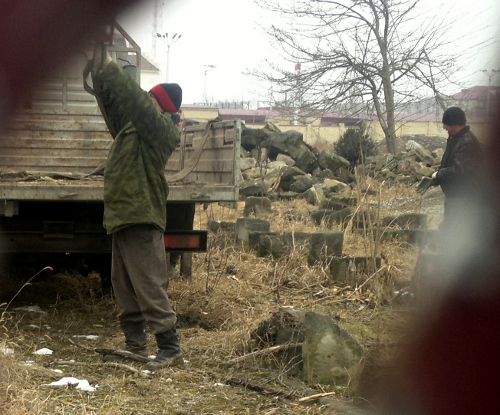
38	36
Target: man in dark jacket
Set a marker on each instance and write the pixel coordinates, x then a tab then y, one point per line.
458	174
135	197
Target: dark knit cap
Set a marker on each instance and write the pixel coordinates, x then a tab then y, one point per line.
454	116
169	96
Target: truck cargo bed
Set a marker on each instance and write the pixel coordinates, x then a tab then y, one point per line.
49	160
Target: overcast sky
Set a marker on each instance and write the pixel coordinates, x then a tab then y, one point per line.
226	34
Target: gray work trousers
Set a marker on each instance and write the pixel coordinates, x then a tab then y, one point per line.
139	276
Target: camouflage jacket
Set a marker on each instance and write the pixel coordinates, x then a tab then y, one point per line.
135	188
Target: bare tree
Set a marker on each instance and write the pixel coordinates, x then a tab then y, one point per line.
376	54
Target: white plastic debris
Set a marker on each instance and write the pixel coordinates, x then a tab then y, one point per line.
85	336
6	350
83	384
43	352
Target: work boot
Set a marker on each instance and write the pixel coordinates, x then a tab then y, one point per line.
169	351
135	337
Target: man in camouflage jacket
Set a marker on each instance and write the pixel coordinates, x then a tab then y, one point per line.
135	197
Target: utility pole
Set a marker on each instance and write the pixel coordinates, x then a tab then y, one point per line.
490	75
168	41
157	18
207	68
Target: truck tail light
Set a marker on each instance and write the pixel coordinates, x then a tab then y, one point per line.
185	241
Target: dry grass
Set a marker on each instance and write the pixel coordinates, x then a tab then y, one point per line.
230	293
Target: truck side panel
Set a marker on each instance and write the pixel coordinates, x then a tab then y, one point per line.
51	159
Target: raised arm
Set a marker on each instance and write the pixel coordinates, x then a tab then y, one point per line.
126	102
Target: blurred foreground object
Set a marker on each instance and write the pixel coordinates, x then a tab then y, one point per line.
39	35
450	363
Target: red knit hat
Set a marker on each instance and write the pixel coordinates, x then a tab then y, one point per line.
169	96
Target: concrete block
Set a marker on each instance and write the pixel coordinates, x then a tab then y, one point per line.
324	245
257	206
254	238
270	244
222	227
331	355
348	269
417	237
331	217
297	239
314	196
246	225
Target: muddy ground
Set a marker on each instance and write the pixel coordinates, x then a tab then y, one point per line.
230	293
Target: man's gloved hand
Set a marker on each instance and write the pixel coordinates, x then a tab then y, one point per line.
425	183
176	118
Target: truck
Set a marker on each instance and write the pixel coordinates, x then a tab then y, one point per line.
51	177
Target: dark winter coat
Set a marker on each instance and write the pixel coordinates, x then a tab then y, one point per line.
459	170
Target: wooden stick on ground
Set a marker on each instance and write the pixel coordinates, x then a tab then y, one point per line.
81	346
110	364
316	396
262	351
120	353
263	390
123	354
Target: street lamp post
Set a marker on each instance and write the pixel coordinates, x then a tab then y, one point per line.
207	68
490	75
168	41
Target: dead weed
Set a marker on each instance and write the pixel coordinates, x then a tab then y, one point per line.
230	293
